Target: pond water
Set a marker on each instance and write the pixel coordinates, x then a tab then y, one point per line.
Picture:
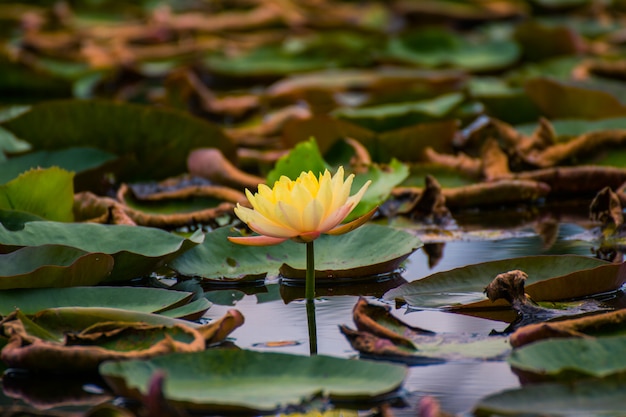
273	324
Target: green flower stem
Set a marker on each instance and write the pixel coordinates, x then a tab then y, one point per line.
310	315
309	291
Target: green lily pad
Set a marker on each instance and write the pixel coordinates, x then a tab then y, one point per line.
434	47
604	398
124	129
140	299
394	116
327	49
52	266
136	250
447	177
503	101
77	160
567	128
241	380
9	143
53	200
305	156
191	311
352	255
567	358
15	220
465	285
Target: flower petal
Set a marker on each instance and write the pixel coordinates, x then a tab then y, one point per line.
334	218
306	237
256	240
312	216
289	215
354	200
264	226
348	227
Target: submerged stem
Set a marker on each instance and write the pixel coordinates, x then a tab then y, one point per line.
309	292
310	314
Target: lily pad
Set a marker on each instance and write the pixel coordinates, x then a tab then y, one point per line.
146	300
394	116
305	156
352	255
136	250
567	358
124	129
54	197
77	160
79	339
52	266
604	398
559	99
465	285
567	128
9	143
434	47
220	379
382	335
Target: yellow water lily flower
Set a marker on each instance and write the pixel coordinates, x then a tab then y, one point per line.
300	210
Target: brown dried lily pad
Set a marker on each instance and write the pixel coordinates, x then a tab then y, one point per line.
613	322
381	335
106	210
77	340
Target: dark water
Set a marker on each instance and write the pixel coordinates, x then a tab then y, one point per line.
271	321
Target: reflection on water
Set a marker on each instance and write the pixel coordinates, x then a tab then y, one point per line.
458	385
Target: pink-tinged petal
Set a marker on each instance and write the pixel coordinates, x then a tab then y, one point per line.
306	237
348	227
266	227
334	218
354	200
256	240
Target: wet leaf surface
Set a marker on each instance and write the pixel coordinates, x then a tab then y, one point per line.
220	260
78	160
52	184
465	285
147	300
219	379
53	266
136	251
588	397
567	358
